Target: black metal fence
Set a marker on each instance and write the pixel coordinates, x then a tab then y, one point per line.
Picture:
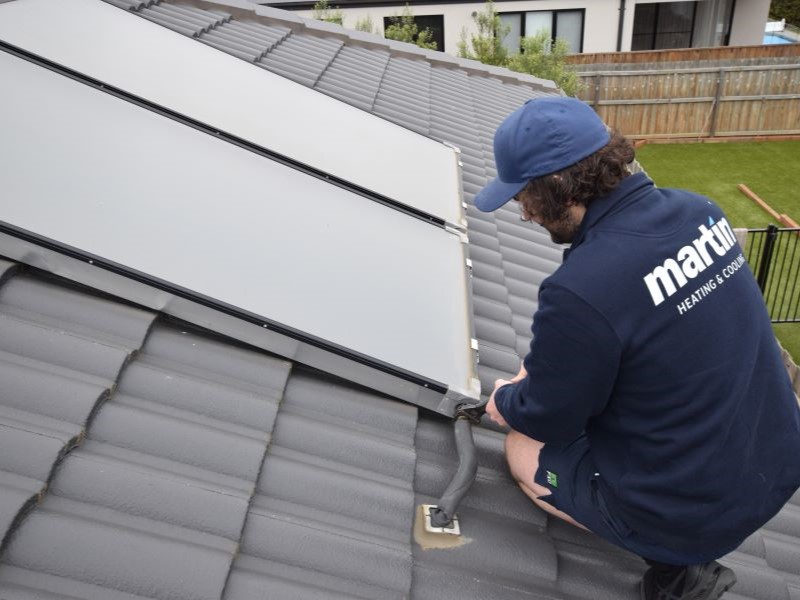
774	256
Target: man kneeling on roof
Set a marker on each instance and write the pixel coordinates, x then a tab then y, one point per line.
653	408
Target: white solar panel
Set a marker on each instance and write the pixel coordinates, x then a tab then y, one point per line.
105	43
231	229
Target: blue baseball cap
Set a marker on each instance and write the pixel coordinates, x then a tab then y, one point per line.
544	136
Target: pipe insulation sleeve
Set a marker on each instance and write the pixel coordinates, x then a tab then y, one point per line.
465	475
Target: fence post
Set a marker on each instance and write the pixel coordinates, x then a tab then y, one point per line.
597	80
712	128
766	256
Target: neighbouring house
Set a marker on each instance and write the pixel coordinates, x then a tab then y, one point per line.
587	25
176	420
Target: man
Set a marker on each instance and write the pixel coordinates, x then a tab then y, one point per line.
653	408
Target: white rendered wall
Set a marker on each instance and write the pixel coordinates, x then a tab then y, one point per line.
749	20
601	19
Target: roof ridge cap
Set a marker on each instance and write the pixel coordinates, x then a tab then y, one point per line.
314	27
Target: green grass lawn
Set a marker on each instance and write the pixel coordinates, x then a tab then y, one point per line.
770	169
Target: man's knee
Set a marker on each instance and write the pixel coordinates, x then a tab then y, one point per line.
522	455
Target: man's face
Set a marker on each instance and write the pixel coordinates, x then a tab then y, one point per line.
562	230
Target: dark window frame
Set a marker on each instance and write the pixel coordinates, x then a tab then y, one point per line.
655	32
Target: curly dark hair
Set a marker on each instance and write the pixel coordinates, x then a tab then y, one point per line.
549	196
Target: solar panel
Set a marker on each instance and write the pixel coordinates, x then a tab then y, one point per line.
134	202
238	98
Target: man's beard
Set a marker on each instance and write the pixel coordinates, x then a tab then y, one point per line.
563	230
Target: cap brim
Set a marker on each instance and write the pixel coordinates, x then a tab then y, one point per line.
496	193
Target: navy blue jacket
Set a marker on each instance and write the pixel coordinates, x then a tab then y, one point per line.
653	338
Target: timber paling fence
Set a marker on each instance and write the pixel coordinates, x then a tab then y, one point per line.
710	101
774	257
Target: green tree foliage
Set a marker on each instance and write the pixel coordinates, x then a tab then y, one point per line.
785	9
365	24
404	29
323	12
538	56
487	45
542	57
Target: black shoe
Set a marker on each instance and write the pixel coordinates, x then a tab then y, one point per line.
697	582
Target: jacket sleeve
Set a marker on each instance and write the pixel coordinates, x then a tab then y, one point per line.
572	366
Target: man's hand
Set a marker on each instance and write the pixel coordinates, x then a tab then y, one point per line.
491	407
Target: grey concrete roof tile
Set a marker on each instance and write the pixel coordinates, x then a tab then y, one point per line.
332	400
487	256
200	395
788	520
291	535
490	290
57	347
370	504
256	575
29	449
480	222
494	311
249	42
43	389
130	4
355	76
234	47
782	553
483	240
181	436
354	538
603	573
307	55
354	447
267	34
216	360
90	316
298	75
91	476
405	89
189	15
754	578
518	287
495	332
486	271
500	357
25	584
179	25
106	548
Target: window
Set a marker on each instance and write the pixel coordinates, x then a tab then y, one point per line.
433	22
663	25
564	24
